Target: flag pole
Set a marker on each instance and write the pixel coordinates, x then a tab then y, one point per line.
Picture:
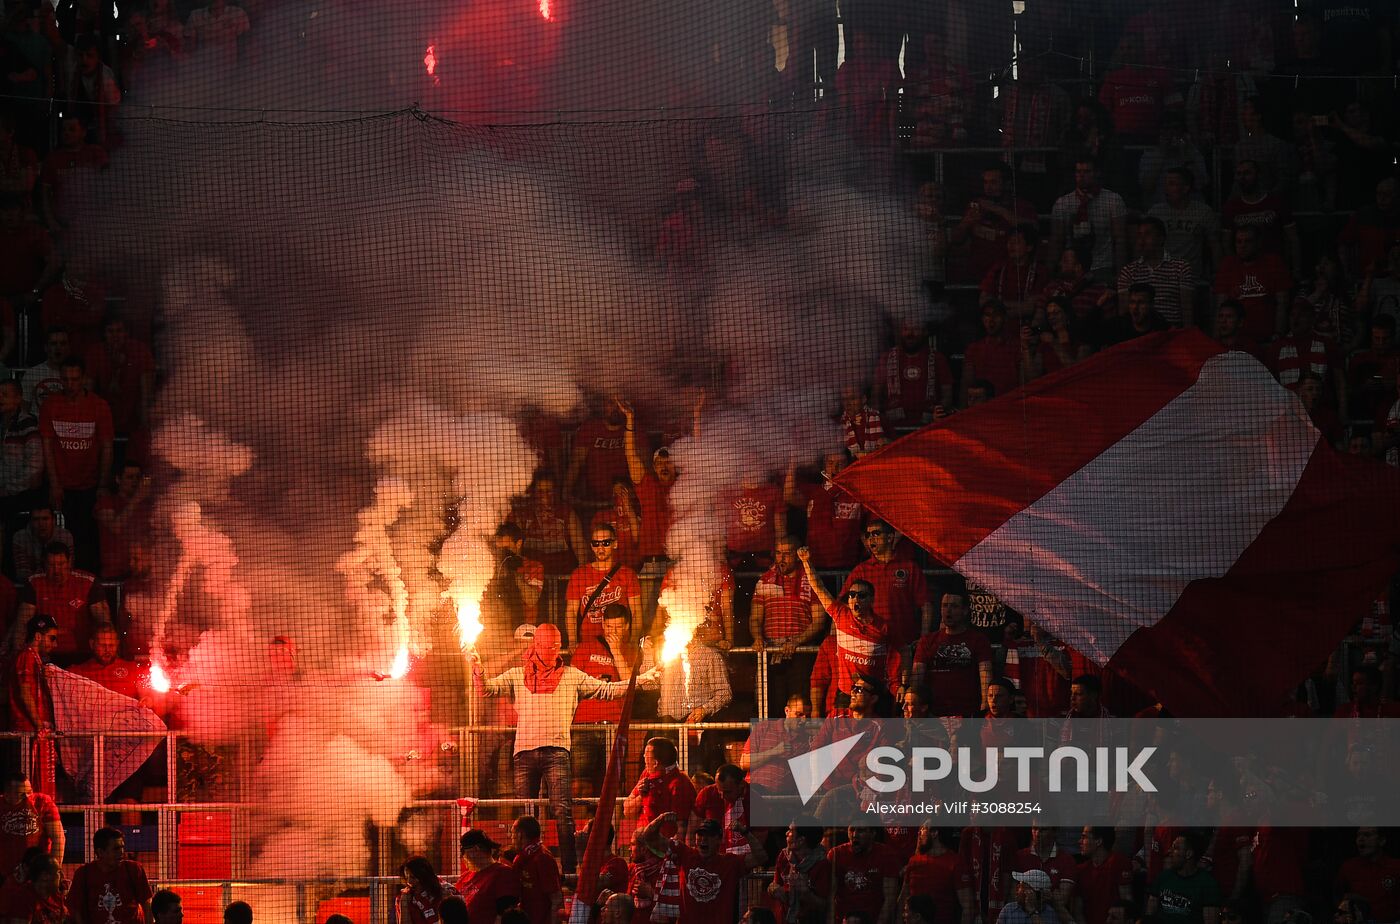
587	891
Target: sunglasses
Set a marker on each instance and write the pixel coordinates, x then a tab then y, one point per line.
600	543
876	534
859	593
862	689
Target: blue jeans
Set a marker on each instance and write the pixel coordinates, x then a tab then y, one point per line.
554	767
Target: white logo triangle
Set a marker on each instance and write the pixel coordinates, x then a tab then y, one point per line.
810	770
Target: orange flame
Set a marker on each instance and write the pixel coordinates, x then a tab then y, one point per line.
399	669
160	680
430	61
546	9
675	640
469	625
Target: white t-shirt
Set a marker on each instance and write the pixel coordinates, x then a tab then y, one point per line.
1104	209
545	719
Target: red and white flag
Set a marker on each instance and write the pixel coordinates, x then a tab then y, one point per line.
1165	507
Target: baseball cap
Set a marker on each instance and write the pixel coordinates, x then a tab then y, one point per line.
524	632
475	837
1037	879
711	827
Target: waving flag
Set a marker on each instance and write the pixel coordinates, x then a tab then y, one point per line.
83	707
1165	507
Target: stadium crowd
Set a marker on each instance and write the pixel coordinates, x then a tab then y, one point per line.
1214	174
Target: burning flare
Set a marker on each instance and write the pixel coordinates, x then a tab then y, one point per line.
399	669
430	61
675	640
546	9
469	625
160	680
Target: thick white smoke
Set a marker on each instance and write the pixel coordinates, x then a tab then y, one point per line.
358	314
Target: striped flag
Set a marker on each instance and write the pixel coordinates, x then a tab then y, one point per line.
1165	507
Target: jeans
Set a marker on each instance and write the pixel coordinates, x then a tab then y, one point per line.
554	767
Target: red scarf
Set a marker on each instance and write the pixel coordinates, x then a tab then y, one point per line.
542	676
894	382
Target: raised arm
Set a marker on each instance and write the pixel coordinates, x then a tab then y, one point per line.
636	466
804	554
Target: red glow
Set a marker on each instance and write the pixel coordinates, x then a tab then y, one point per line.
545	9
430	60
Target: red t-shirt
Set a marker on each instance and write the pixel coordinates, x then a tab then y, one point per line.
106	896
485	890
539	881
1099	885
118	380
860	879
834	524
787	602
824	673
418	907
69	603
1377	880
997	360
749	518
79	427
1060	865
667	791
23	825
900	594
710	803
654	504
28	674
709	886
936	877
605	461
119	676
1135	97
1256	286
114	546
861	648
594	659
623	587
1279	854
1270	215
951	669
